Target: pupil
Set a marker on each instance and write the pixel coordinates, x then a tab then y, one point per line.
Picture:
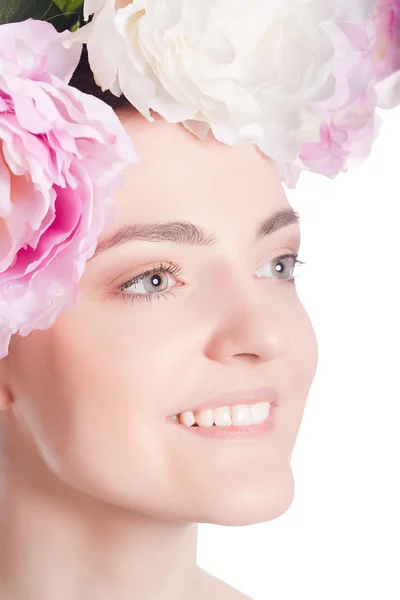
154	280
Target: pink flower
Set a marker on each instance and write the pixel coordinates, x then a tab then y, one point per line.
350	122
387	53
368	76
387	48
61	153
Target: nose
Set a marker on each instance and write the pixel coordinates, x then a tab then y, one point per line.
248	323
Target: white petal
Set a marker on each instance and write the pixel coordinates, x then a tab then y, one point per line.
171	109
198	128
137	88
116	89
388	91
81	35
91	6
356	11
106	48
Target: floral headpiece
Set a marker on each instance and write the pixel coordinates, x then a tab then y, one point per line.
300	79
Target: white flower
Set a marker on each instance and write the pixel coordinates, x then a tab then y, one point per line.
248	69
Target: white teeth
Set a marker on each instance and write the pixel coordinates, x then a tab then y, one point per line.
267	408
223	416
187	418
258	413
241	415
205	418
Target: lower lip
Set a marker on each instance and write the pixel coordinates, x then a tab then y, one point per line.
246	432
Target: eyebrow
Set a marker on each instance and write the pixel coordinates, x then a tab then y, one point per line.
185	233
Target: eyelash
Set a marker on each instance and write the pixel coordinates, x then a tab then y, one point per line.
176	270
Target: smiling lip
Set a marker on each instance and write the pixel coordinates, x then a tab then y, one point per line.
243	395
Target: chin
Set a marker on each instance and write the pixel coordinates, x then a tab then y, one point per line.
251	513
248	505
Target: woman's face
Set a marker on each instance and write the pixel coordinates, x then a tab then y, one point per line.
93	392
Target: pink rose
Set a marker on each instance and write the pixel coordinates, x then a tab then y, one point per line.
61	153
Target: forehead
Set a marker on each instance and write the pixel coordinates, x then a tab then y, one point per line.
181	176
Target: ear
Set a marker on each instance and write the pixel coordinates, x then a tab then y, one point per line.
6	398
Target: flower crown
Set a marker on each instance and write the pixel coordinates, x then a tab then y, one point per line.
300	79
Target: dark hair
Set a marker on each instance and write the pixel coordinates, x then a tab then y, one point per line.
83	80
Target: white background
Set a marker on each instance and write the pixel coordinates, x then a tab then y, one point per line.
340	539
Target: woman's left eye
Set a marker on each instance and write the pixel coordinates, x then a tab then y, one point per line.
280	260
144	286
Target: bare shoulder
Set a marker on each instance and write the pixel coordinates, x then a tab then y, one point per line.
212	587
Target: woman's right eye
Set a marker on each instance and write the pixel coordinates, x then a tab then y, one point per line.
156	282
153	282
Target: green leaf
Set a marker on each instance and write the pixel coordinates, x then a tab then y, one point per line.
69	6
13	11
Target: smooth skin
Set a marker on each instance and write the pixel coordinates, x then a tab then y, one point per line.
100	494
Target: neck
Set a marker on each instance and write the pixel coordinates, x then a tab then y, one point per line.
58	544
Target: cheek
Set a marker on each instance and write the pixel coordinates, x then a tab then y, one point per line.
304	350
116	352
104	363
299	367
88	393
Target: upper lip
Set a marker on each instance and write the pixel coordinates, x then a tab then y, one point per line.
242	395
